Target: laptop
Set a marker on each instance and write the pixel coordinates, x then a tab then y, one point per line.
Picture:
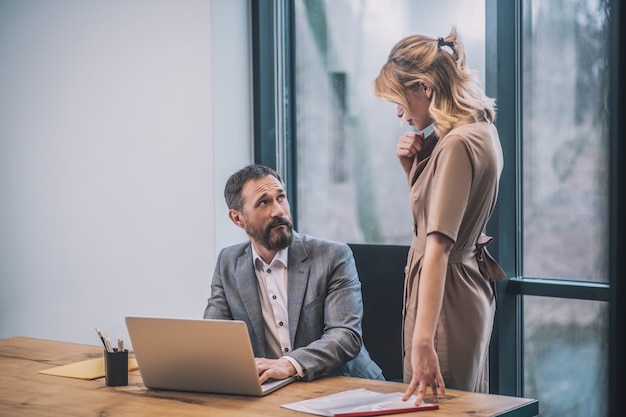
199	355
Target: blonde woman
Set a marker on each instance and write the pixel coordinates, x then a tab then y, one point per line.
453	175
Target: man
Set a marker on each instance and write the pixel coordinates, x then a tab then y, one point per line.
299	296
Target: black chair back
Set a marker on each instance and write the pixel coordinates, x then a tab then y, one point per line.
381	271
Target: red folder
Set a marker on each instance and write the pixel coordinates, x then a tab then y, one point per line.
384	412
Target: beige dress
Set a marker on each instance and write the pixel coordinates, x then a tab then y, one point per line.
453	192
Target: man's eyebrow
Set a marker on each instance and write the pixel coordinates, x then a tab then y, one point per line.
264	195
260	198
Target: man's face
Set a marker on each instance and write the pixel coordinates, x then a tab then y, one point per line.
265	216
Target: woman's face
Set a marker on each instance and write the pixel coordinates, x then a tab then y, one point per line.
417	114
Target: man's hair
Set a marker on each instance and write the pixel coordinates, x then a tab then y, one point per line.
234	185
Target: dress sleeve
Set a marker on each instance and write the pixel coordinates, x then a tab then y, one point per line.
451	185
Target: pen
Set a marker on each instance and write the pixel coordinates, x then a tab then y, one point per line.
120	345
107	343
101	337
105	340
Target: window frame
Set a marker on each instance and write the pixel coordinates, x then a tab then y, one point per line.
272	84
617	222
275	146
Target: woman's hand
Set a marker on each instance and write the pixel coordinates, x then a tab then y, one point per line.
409	144
426	372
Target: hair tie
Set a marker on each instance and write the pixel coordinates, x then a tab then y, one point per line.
443	43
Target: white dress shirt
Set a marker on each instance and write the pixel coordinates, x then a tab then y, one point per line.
272	284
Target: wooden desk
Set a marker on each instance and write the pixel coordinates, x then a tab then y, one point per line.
24	392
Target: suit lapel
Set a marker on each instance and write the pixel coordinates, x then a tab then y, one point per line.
297	281
248	290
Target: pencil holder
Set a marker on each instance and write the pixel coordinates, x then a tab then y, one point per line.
116	368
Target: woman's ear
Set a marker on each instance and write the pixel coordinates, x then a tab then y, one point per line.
428	91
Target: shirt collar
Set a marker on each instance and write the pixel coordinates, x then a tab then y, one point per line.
281	256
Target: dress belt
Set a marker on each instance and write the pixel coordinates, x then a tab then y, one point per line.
487	265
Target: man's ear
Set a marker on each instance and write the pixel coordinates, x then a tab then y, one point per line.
235	217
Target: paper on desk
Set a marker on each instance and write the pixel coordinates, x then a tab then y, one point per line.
359	402
89	369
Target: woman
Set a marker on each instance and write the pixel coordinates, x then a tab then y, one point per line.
453	174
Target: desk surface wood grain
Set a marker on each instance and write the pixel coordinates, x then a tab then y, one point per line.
24	392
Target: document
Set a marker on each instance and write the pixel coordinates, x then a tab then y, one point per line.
89	369
359	402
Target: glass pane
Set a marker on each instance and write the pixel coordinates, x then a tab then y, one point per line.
565	356
565	139
350	185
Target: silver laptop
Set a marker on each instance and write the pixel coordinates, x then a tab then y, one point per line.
210	356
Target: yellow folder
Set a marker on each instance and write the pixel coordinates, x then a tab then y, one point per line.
89	369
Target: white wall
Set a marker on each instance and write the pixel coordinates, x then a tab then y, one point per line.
119	123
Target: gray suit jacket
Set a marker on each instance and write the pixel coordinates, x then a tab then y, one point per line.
324	304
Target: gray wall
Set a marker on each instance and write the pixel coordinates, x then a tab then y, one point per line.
119	123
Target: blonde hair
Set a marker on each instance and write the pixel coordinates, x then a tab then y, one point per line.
457	96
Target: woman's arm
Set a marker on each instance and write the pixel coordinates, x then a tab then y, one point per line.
424	360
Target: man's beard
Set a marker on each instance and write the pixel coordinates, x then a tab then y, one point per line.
273	239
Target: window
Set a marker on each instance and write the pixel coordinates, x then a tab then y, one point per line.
547	65
565	355
564	146
350	186
565	139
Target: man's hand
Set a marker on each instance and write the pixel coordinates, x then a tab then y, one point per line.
274	368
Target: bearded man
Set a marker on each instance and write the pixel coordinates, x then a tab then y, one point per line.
300	296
